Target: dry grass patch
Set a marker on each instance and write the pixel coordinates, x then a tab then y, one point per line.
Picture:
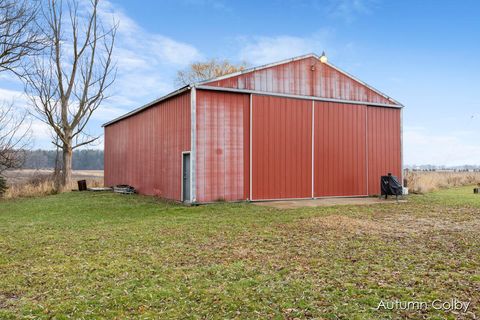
34	183
428	181
348	224
395	225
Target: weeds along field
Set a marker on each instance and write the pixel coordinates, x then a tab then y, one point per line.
428	181
29	183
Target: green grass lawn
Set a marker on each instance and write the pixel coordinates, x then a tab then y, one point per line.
103	255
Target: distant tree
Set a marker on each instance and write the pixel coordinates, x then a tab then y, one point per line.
200	71
84	159
69	83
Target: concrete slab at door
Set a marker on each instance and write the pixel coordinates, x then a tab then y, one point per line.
340	149
281	148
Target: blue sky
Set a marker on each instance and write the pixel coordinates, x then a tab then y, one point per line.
422	53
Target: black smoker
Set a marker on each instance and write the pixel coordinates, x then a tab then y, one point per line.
390	186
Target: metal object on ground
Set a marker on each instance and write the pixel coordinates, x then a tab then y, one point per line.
82	185
100	189
390	186
124	189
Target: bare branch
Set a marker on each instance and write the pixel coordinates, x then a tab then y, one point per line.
14	137
20	34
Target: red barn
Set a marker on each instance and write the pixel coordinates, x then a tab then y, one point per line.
294	129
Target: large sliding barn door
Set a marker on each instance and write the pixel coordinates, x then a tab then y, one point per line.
281	148
340	149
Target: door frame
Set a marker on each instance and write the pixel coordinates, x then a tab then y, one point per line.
181	177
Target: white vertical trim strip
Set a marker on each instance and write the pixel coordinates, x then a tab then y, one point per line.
401	145
366	144
193	145
313	148
250	146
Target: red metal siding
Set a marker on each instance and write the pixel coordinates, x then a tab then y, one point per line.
145	150
340	149
383	145
308	77
281	148
222	146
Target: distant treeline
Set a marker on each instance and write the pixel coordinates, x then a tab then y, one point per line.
82	159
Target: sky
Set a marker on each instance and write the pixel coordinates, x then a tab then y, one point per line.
424	54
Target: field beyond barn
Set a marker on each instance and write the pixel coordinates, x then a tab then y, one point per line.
103	255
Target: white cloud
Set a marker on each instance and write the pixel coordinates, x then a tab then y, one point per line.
40	132
262	50
146	62
349	10
440	147
219	5
16	97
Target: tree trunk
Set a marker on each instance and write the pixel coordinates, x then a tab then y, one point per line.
67	167
57	176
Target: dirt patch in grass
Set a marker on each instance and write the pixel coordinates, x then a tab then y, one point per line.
397	225
348	224
8	299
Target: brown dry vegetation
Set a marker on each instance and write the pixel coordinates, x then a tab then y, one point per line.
428	181
27	183
30	183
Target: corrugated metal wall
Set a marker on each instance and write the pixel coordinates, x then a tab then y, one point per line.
145	150
222	146
281	148
353	145
308	77
383	145
340	149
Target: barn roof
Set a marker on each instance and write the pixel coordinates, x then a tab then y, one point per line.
148	105
204	85
310	55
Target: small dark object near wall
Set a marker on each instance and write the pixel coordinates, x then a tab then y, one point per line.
476	190
390	186
3	186
82	185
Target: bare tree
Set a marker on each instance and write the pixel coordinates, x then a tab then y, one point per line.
20	34
20	37
69	82
200	71
14	137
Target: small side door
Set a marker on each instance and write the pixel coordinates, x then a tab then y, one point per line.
185	176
